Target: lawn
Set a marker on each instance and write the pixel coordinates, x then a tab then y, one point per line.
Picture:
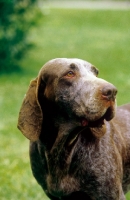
100	37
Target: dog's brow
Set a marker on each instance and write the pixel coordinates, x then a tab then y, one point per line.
73	66
95	70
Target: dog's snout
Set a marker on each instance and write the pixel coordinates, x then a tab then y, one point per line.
109	92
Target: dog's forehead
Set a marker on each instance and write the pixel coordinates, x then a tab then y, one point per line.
59	65
64	62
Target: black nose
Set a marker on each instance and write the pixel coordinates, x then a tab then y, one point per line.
109	92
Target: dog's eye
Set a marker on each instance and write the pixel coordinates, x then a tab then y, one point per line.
70	74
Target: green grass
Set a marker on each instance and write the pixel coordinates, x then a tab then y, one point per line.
102	38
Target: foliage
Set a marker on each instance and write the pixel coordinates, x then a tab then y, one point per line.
16	18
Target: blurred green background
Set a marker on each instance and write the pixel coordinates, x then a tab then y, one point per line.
101	37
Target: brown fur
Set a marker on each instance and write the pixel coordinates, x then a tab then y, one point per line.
78	149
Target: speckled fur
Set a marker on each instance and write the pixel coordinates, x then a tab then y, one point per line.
73	154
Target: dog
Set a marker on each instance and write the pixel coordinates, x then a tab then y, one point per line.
79	138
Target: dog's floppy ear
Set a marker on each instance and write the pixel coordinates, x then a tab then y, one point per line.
30	116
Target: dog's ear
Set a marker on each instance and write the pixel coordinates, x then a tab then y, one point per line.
30	116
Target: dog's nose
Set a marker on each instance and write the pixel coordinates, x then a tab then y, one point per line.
109	92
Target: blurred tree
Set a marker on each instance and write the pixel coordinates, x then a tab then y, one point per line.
16	17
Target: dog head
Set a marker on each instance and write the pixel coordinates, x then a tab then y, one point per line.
73	88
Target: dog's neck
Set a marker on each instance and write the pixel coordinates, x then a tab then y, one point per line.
57	132
64	142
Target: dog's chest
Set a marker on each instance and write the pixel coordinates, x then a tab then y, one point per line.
62	186
86	169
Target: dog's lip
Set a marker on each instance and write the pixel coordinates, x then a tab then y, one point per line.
84	122
97	123
109	114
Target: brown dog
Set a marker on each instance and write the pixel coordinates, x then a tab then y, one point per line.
75	150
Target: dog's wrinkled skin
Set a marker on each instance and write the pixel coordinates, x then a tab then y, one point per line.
76	150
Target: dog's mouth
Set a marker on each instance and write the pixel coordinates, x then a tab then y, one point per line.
109	114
